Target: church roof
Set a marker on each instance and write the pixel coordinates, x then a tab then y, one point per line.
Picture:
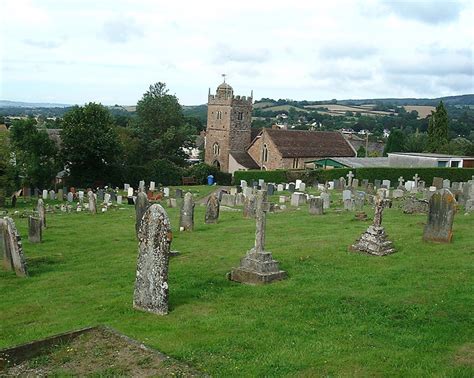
244	159
224	86
302	143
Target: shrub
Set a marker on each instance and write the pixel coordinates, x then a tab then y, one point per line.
277	176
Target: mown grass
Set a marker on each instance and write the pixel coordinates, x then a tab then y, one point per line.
338	313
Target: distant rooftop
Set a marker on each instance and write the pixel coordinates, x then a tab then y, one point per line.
358	162
423	154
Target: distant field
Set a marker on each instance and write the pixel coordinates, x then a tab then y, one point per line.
281	108
260	105
334	109
423	111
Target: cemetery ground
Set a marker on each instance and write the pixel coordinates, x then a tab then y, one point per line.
338	313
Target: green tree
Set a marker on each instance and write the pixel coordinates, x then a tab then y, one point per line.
36	156
438	129
361	151
161	127
416	142
395	142
7	175
91	147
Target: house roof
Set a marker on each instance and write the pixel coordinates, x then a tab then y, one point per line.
356	162
428	155
244	159
302	143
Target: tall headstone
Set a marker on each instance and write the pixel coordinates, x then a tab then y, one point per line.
347	200
70	197
100	195
377	183
41	212
258	266
60	195
178	193
52	195
326	200
212	209
442	207
141	206
15	249
152	186
119	199
4	249
250	206
151	283
92	202
186	219
438	182
166	192
316	206
35	234
141	186
45	194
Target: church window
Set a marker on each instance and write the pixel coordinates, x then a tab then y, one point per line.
216	148
219	114
240	116
265	153
295	163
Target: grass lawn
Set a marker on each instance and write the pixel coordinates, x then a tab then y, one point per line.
338	313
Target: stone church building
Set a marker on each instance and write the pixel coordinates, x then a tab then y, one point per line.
231	144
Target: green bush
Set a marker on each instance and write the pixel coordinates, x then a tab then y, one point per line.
201	171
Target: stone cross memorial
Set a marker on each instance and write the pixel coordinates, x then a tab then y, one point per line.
212	209
186	218
151	283
374	241
258	266
442	207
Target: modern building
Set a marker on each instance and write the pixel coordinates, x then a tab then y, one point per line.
411	159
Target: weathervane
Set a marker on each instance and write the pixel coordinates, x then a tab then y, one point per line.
224	75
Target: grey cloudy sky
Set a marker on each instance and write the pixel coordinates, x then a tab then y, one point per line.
111	51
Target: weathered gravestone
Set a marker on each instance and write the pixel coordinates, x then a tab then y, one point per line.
298	199
92	202
374	241
280	187
250	206
377	183
4	251
151	283
270	189
172	202
355	183
41	212
228	199
359	201
258	266
52	195
152	186
291	187
316	206
212	209
239	199
302	187
438	182
178	193
412	205
398	193
35	234
70	197
141	206
60	195
439	227
347	199
119	199
186	219
100	195
446	184
386	184
14	250
141	186
326	200
45	194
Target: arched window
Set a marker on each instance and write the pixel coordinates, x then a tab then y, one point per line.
265	153
215	148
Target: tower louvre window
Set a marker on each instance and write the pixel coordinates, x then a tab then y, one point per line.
240	116
219	114
295	163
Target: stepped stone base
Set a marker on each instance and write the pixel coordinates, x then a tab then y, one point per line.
257	268
374	242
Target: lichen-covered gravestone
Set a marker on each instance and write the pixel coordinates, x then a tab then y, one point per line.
5	252
212	209
439	227
41	212
186	218
374	241
316	206
35	234
250	206
141	205
258	266
92	202
14	249
151	283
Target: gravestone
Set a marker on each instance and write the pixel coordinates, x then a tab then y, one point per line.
446	184
172	202
60	195
347	200
141	206
370	188
119	199
152	186
409	185
365	183
70	197
52	195
412	205
261	182
282	199
400	182
35	234
416	179
302	187
4	250
92	202
45	194
107	198
316	206
130	192
178	193
233	190
239	199
250	206
270	189
280	187
374	241
298	184
442	207
212	209
125	187
41	212
397	193
291	187
468	196
359	200
349	176
326	200
100	195
186	218
14	249
342	183
141	186
247	191
166	192
258	266
151	283
228	199
243	184
438	182
81	195
386	183
355	183
298	199
377	183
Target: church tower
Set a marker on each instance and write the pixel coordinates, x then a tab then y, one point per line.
229	119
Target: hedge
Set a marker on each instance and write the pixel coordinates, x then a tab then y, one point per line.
371	174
